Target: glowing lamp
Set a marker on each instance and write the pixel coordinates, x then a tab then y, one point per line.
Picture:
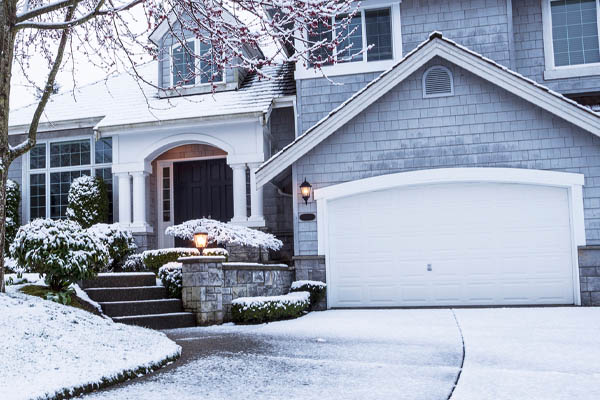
305	190
200	239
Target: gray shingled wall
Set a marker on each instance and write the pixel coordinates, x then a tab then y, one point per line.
481	125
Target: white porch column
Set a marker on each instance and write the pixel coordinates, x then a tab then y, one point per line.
239	193
256	199
139	198
124	198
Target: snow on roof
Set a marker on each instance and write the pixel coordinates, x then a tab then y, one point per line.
124	100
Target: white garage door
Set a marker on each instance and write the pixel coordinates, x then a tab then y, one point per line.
451	244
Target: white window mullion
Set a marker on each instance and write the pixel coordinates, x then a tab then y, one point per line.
363	28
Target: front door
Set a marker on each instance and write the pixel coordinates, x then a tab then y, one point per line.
202	189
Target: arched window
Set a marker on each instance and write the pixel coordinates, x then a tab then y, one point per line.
438	82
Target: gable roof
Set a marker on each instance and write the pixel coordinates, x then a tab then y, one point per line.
124	100
435	46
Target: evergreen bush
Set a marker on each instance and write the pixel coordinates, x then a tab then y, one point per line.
88	201
13	200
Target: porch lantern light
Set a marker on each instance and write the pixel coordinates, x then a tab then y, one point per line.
305	190
200	239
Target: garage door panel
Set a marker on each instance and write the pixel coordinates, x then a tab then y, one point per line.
487	244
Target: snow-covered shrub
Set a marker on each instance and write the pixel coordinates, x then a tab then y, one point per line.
134	263
60	249
88	201
154	259
256	310
315	288
118	241
222	233
12	266
216	251
170	275
13	200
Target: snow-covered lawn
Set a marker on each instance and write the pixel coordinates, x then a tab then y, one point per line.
47	348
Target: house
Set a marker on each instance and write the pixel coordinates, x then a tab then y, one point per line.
452	168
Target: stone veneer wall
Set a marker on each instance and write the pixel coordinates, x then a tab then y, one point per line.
589	275
210	285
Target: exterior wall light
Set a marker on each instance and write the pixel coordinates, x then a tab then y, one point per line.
305	190
200	239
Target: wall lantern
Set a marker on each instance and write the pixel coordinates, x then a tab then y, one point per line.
305	189
200	238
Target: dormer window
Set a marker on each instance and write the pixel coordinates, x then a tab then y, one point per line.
189	70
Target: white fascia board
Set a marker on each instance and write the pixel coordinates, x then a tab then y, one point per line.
88	122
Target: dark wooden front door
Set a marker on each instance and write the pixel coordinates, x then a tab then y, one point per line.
202	189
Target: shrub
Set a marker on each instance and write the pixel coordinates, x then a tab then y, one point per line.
170	275
134	263
154	259
13	200
316	289
216	251
60	249
256	310
88	201
118	241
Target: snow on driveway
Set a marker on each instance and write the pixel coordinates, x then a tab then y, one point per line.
357	354
530	353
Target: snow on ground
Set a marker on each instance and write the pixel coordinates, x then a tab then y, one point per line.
47	347
530	353
358	354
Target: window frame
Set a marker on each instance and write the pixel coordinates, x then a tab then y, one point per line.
358	65
197	67
552	71
48	170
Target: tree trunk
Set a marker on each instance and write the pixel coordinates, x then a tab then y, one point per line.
8	14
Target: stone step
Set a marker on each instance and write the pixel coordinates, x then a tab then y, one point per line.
143	307
127	293
160	321
120	279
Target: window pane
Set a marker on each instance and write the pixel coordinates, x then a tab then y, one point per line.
103	151
72	153
209	70
353	38
183	64
166	195
60	182
379	33
322	32
37	196
37	156
574	32
106	175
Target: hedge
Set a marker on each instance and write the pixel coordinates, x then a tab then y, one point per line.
257	310
316	289
171	277
154	259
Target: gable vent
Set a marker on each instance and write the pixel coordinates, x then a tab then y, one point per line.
437	82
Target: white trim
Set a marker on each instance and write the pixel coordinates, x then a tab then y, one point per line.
571	181
434	47
424	79
568	71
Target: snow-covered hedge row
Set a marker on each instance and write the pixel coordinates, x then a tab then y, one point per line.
60	249
88	201
256	310
134	263
119	242
317	290
154	259
216	251
223	233
170	275
13	200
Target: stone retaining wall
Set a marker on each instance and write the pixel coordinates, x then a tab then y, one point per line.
589	275
210	285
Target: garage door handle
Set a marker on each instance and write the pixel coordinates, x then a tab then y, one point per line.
429	268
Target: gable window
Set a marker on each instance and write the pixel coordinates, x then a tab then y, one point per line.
209	71
183	63
49	182
188	70
571	40
379	34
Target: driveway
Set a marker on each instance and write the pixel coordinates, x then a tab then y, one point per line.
519	353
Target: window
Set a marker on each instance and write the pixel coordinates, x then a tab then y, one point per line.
322	32
209	71
379	34
49	184
106	175
437	82
166	194
183	64
575	32
352	44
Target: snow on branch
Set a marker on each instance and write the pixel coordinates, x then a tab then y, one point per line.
223	233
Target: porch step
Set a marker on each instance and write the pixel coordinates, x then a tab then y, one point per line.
160	321
142	307
127	293
121	279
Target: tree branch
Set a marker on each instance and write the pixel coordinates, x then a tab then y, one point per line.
63	25
25	146
36	12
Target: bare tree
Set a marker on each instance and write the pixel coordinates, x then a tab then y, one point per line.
113	34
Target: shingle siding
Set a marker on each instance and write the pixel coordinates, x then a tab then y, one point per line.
482	125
